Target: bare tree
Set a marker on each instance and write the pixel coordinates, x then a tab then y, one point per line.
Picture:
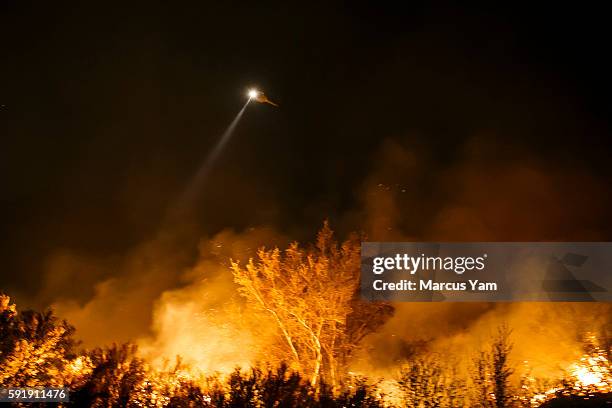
500	351
491	373
312	296
482	391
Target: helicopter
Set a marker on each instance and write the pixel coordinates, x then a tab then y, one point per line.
260	97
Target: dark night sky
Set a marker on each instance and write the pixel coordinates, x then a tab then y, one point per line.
108	111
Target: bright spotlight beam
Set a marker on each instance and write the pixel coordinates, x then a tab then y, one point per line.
187	198
189	195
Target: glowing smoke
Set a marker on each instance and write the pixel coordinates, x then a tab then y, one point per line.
159	287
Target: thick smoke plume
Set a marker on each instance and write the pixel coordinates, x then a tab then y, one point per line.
175	296
492	193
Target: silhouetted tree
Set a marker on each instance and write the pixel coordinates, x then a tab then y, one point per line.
500	351
491	373
422	383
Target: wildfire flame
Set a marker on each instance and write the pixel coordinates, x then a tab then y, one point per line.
592	371
591	374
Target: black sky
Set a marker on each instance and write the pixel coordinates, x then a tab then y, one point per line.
107	111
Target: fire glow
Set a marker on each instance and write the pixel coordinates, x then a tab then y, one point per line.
291	316
586	377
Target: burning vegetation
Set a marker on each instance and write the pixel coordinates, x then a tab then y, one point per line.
312	297
296	336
